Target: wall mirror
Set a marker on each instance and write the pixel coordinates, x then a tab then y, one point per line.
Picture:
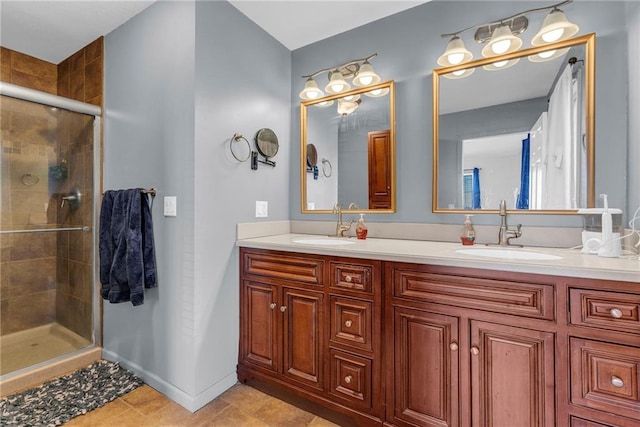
517	127
354	135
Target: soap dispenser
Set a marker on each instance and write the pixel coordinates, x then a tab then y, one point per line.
361	228
467	234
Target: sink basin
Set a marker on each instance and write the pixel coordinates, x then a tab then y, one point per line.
325	241
507	254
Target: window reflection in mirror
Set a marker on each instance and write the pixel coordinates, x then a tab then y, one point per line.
354	137
521	133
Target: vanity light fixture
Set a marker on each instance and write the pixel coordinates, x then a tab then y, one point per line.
311	90
377	93
359	69
548	55
502	41
456	53
501	36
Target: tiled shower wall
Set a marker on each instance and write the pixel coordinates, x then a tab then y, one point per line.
48	276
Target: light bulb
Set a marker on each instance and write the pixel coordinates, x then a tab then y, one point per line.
547	54
366	80
500	47
553	35
337	87
458	73
500	64
455	58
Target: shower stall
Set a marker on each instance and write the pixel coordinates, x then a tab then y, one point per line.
49	168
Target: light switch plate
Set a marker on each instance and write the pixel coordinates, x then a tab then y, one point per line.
262	209
170	206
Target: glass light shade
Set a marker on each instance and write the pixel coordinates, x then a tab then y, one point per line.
377	93
502	41
501	65
347	107
337	83
460	74
548	55
366	76
555	27
311	90
456	53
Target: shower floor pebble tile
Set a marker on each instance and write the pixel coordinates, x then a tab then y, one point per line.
240	406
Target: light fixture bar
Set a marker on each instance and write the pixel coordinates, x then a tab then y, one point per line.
508	18
342	67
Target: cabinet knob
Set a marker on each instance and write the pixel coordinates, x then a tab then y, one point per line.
617	382
283	308
348	379
272	305
348	323
616	313
475	350
348	278
453	346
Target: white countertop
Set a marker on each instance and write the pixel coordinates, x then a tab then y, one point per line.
573	263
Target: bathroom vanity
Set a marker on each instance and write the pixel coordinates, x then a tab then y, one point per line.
412	333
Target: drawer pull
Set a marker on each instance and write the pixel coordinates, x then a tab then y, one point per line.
272	305
348	278
453	346
617	382
348	323
615	313
475	350
283	308
348	379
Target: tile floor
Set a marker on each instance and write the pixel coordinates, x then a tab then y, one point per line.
239	406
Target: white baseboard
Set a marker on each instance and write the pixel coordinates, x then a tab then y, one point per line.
191	403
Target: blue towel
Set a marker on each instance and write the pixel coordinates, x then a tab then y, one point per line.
127	255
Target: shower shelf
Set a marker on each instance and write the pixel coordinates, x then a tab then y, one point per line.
46	230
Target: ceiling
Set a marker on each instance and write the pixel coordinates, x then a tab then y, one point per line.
55	29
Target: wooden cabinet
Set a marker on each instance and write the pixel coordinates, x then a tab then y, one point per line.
470	348
604	353
402	344
311	325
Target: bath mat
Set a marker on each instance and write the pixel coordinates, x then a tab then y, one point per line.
57	401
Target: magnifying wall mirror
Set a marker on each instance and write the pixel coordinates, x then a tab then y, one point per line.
354	133
517	127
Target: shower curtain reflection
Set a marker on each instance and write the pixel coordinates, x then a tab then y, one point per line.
46	284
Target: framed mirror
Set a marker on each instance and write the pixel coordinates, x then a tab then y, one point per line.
354	135
517	127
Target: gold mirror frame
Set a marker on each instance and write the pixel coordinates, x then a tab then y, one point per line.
303	146
589	61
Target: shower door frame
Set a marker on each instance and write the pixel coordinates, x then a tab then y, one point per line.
38	97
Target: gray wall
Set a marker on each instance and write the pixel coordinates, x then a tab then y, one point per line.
181	79
408	45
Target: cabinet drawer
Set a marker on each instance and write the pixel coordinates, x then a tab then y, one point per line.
351	322
605	377
608	310
351	379
352	277
300	269
579	422
501	296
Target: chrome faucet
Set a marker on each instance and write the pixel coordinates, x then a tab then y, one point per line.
340	227
505	234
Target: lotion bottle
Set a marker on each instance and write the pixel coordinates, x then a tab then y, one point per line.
467	234
361	228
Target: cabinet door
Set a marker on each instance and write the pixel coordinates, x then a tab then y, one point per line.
425	368
512	376
303	334
259	334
